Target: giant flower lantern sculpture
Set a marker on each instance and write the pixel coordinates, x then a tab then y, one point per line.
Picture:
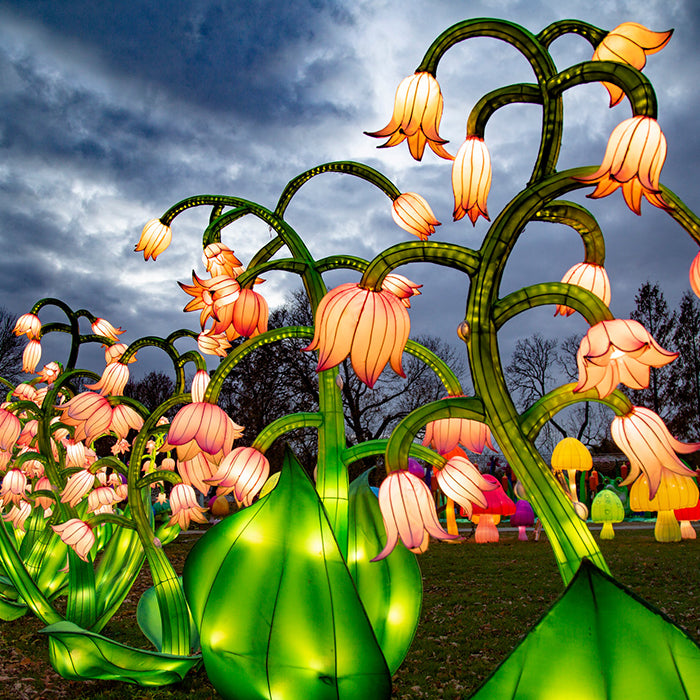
327	599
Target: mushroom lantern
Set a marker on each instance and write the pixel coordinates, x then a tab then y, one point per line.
675	491
523	517
497	505
607	508
570	455
684	516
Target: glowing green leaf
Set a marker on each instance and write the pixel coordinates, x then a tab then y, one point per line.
277	610
391	589
599	641
77	654
148	617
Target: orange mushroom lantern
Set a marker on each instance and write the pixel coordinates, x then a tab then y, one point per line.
675	491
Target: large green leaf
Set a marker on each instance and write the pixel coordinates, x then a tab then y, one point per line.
11	609
277	610
599	642
149	619
77	654
391	589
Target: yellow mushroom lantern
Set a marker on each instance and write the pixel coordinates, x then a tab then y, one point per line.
675	491
571	455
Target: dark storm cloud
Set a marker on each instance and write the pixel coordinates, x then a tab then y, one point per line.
222	56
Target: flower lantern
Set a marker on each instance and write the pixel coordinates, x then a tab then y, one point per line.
674	491
523	518
607	508
497	505
684	516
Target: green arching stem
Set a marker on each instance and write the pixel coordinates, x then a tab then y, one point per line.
546	407
169	594
586	303
594	35
74	329
365	172
158	475
484	109
447	254
235	356
399	444
439	366
633	83
541	63
374	448
582	221
212	233
284	425
682	214
571	539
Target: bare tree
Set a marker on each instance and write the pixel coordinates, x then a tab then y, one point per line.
11	348
652	312
539	365
151	390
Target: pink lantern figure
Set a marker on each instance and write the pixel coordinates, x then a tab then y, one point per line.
523	518
486	519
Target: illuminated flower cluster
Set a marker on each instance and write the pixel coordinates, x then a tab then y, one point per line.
417	112
618	351
371	327
233	311
588	276
629	43
650	447
633	160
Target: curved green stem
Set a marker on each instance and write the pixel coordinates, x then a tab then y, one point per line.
447	254
349	168
582	221
484	109
594	35
546	407
399	444
682	214
571	539
374	448
586	303
634	83
438	365
74	329
284	425
235	356
541	63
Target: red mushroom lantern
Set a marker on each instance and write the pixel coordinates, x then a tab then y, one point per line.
486	519
684	517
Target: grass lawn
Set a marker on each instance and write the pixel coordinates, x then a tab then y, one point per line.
479	601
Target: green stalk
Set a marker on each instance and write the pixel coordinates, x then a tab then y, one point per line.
571	539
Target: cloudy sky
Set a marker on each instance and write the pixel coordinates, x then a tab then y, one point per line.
111	112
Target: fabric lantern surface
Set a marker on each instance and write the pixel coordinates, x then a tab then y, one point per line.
607	508
622	648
